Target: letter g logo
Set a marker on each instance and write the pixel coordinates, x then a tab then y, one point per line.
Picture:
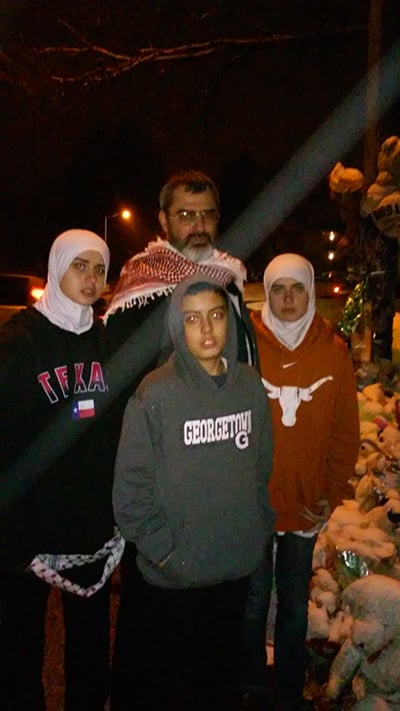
242	440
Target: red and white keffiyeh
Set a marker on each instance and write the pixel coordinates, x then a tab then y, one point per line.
157	271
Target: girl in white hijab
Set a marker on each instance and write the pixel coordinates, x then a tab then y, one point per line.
294	266
56	463
54	304
308	377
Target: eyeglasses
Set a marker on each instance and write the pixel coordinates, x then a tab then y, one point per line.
189	217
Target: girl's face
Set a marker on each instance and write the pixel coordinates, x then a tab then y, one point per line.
84	280
288	299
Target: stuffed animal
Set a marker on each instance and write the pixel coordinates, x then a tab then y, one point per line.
369	659
325	620
350	530
375	406
370	448
389	438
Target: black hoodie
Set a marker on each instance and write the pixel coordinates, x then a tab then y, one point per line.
193	464
56	458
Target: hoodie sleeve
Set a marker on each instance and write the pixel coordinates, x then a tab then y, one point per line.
15	372
138	513
345	432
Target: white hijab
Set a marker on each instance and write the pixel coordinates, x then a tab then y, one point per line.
292	266
53	304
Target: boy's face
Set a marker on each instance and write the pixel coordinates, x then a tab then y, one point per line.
205	319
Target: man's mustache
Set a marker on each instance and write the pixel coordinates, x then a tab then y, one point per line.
193	235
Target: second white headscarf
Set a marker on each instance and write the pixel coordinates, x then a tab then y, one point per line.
293	266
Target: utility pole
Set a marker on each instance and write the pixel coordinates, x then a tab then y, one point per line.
371	136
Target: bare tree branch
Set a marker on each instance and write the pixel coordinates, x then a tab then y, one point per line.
121	63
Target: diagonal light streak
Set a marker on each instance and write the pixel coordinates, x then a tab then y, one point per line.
313	161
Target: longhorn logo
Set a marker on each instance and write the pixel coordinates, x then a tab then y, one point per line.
290	397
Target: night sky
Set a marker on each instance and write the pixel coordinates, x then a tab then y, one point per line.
87	131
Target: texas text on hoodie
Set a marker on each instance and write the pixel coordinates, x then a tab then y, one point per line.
41	361
192	467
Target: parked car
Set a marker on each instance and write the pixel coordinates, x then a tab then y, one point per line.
18	291
333	284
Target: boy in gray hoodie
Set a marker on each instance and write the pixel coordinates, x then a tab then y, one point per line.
190	491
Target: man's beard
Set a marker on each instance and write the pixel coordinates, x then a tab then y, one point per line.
199	252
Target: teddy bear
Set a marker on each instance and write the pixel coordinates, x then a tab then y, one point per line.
369	659
382	199
363	534
325	619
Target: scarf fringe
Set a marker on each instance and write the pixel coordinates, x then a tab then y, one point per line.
138	300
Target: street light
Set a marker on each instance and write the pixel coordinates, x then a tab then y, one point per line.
125	214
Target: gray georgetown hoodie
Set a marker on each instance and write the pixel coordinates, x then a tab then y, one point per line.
192	467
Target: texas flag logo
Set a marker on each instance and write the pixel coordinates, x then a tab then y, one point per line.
82	409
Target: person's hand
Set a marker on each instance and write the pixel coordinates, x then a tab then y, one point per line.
318	516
